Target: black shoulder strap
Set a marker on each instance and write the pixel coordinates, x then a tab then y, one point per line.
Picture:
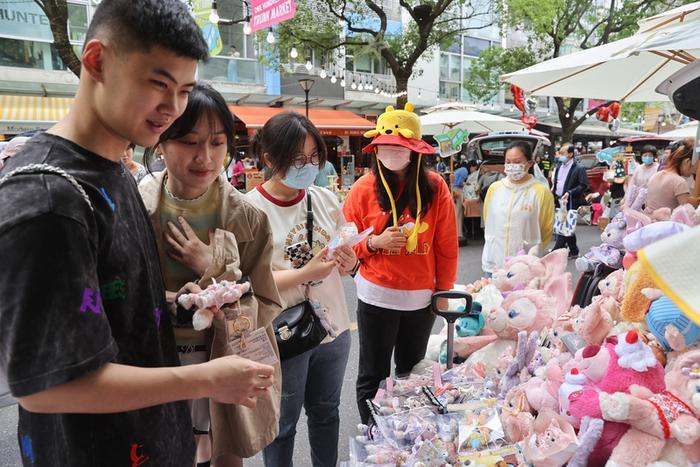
309	220
49	169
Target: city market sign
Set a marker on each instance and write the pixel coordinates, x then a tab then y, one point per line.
266	13
25	20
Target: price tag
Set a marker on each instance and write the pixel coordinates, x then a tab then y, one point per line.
254	346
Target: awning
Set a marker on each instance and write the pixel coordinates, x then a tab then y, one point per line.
599	130
23	113
328	121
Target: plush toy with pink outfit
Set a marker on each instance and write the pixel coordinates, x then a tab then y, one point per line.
621	362
664	426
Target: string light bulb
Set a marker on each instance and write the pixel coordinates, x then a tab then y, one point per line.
214	15
270	37
323	73
333	78
294	53
308	65
353	85
342	83
247	29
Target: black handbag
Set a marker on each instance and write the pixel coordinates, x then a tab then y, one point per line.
298	328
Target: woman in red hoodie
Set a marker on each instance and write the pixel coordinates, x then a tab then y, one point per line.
411	255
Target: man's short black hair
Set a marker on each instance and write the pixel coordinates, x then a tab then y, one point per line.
140	24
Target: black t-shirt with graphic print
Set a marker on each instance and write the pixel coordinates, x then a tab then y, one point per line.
82	287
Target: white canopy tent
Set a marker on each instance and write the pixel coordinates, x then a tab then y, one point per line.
624	70
684	131
452	115
685	13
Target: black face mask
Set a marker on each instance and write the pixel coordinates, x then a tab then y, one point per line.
687	99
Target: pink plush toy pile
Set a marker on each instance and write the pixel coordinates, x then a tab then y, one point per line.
621	362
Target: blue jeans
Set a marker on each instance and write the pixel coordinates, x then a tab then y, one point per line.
313	379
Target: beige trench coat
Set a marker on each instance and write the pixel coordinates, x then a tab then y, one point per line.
242	247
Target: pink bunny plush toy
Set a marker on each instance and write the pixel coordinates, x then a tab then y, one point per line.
530	271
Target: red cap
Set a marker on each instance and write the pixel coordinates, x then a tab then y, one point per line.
414	144
632	337
574	371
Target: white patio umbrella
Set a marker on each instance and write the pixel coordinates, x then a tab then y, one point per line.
624	70
685	13
451	116
684	131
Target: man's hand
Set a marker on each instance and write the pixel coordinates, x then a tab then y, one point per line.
188	249
392	238
236	380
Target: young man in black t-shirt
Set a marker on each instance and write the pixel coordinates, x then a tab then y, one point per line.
86	343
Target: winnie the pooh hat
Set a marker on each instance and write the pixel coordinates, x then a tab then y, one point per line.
400	128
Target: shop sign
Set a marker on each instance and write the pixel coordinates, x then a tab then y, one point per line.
452	141
266	13
341	132
24	20
13	128
253	179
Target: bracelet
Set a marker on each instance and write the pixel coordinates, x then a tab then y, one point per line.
369	245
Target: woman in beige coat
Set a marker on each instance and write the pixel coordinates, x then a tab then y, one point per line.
206	230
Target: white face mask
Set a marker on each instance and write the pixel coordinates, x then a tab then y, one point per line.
394	158
515	171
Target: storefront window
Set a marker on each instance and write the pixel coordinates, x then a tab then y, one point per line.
454	47
450	90
444	66
77	22
29	54
455	67
363	64
474	46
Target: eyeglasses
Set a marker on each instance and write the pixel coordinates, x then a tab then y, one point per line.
300	160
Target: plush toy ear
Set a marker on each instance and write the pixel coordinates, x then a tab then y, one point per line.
408	107
636	219
560	288
684	214
406	133
389	108
555	262
371	133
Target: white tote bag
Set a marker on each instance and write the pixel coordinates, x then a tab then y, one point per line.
565	218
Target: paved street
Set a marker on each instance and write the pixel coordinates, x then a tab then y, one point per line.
469	270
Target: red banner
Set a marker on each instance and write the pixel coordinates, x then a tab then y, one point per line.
266	13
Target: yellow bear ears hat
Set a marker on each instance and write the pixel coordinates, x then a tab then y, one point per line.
400	128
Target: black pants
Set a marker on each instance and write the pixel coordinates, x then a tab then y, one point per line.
567	241
382	331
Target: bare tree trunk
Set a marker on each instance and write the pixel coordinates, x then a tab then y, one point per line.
57	12
401	86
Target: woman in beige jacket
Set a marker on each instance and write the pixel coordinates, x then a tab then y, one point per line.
206	230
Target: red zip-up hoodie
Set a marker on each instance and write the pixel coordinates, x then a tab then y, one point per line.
433	265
